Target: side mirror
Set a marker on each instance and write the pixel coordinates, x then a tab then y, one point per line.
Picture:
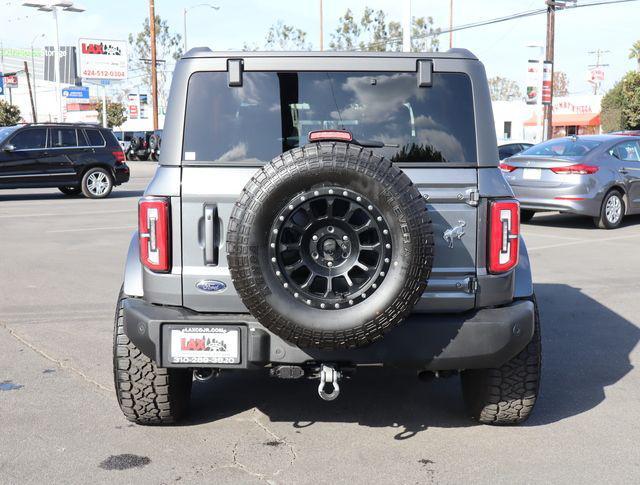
9	148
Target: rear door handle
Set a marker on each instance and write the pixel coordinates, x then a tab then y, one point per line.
211	235
623	170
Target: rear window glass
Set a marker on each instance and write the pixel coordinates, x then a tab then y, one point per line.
563	147
95	138
274	112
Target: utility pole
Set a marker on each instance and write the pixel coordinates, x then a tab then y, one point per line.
450	24
154	73
552	5
551	25
321	27
598	53
33	106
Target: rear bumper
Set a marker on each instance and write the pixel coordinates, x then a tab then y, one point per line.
472	340
122	174
556	200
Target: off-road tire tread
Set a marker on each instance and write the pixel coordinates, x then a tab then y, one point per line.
147	394
329	157
506	395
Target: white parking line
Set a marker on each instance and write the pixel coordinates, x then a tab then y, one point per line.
53	214
528	233
82	229
584	241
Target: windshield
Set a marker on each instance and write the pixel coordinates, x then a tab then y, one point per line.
5	131
273	112
562	147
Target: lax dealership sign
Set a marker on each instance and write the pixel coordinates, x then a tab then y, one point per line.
102	59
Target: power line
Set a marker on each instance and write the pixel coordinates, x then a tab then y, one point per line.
482	23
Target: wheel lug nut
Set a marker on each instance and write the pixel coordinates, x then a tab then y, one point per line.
388	246
385	232
370	207
345	238
322	305
337	305
330	228
314	255
314	237
329	263
350	302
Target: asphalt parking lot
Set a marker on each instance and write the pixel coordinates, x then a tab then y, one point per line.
61	261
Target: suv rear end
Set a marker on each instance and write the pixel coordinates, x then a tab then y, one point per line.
199	296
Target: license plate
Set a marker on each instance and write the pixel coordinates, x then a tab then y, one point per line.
532	174
205	345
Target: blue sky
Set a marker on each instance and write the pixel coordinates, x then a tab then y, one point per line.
502	47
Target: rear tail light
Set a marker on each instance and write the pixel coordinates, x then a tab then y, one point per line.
506	167
153	231
119	156
579	168
333	135
504	232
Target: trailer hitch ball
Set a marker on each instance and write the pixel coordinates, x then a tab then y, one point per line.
329	378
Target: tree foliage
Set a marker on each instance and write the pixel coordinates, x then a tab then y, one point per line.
620	107
283	37
168	49
116	113
503	89
9	114
373	32
634	52
560	84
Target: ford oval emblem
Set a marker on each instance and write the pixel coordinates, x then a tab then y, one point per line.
211	286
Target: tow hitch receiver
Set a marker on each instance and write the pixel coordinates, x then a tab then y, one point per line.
329	376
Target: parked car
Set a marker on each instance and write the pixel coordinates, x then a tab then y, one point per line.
593	175
302	204
511	148
155	142
73	157
124	138
139	145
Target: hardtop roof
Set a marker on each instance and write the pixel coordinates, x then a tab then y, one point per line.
205	52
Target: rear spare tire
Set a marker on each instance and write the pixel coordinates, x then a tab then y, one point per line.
330	246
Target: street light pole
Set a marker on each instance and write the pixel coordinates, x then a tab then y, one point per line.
184	18
154	73
56	65
33	71
50	6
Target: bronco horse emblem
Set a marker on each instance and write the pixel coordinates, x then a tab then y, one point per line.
455	232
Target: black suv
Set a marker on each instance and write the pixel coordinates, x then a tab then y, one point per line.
73	157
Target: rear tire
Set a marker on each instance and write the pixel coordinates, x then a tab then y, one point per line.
506	395
97	183
146	393
611	212
70	191
526	215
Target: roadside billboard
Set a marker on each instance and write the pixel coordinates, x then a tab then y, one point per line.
11	81
67	63
102	59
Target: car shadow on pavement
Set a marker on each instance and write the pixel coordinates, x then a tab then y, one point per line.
116	194
572	221
586	348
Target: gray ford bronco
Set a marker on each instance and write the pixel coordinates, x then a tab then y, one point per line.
317	212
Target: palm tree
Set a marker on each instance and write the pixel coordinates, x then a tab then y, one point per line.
634	52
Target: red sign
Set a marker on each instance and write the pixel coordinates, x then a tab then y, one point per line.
133	111
11	81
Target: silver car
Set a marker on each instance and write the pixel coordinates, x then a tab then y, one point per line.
596	175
